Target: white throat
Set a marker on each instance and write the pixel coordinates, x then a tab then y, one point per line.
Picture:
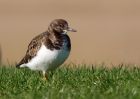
64	32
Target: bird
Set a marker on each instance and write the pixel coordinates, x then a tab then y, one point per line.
48	50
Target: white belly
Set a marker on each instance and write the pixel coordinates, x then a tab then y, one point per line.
47	59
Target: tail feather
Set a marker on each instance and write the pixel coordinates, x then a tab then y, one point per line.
23	62
18	65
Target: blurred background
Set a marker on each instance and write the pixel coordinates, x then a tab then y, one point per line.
108	30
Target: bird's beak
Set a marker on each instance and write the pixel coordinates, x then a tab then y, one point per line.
71	30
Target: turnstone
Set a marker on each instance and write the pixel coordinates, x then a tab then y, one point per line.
49	49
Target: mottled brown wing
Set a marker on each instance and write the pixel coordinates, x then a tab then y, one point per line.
32	50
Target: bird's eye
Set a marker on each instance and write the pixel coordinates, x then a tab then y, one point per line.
61	25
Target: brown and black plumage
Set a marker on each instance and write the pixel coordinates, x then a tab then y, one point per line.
54	43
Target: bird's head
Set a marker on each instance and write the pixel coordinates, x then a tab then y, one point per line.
60	26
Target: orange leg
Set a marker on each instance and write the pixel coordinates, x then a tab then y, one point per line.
45	75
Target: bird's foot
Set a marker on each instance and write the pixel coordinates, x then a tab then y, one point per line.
45	76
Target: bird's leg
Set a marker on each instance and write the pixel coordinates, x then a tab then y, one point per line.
45	75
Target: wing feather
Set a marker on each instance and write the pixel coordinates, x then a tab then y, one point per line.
32	50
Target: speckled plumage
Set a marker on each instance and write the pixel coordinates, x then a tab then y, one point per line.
49	49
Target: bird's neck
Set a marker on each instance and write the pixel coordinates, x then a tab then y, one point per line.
55	36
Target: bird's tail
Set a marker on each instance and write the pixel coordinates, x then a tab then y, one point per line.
20	65
17	65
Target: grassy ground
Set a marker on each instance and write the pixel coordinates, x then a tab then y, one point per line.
68	83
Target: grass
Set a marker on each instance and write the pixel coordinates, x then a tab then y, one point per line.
71	83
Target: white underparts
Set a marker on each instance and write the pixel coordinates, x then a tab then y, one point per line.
47	59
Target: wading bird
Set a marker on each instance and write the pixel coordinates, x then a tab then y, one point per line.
48	50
